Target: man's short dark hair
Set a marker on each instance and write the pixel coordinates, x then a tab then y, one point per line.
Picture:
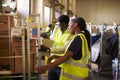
64	19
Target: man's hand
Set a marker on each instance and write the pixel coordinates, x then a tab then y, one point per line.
44	48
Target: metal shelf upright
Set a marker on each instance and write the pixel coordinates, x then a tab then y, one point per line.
33	32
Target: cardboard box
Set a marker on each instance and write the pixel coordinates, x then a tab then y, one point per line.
17	51
17	66
12	46
6	22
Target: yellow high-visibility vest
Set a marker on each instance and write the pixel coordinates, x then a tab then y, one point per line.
60	39
77	69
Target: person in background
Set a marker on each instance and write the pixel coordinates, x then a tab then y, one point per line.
61	37
76	58
48	32
50	28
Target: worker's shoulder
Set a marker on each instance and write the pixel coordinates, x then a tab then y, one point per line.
67	32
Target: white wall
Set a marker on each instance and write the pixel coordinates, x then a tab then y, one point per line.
99	11
23	7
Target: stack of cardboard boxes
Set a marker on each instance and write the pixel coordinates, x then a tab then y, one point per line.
6	22
17	51
12	46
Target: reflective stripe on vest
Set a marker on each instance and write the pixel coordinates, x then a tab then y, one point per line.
82	63
71	77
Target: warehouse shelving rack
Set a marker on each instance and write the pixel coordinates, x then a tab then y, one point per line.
7	20
29	29
23	27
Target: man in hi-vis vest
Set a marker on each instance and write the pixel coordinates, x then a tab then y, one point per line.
76	58
61	37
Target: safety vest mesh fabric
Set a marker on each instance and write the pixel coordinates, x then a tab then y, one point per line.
60	39
77	69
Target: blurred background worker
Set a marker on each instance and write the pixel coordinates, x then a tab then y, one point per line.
76	58
61	37
48	32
